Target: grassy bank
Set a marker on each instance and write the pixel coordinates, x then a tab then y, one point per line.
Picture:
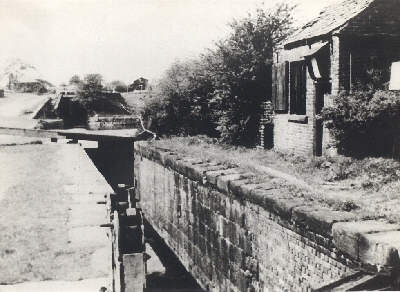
369	187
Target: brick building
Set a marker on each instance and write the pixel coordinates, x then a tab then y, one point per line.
139	85
332	53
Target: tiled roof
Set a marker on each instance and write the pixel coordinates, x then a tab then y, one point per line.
329	19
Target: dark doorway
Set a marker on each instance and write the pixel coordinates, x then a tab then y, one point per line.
321	87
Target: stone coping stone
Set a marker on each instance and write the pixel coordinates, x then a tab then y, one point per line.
320	219
370	242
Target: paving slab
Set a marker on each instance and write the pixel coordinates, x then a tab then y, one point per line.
88	285
48	197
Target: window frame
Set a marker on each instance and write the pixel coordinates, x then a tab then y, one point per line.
298	87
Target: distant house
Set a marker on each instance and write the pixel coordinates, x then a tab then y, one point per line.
68	90
139	85
332	53
37	86
20	76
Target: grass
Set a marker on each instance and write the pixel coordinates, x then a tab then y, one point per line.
369	187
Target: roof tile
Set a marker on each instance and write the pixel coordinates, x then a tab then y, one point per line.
330	19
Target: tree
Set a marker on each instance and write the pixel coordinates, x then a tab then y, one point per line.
75	80
118	86
181	101
93	83
241	66
223	89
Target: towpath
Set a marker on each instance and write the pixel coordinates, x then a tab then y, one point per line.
50	234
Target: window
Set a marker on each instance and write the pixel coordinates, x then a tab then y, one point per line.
395	76
297	82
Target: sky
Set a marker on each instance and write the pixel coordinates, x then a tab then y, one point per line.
120	39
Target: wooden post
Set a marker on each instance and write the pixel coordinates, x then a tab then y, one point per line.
116	254
133	272
350	73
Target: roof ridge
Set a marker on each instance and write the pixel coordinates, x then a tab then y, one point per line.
345	10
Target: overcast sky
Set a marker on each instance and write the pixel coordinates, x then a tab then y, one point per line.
117	38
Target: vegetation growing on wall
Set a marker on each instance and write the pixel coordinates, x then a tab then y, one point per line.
220	93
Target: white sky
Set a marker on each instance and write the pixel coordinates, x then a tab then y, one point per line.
119	39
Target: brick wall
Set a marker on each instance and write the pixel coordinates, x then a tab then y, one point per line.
233	235
296	137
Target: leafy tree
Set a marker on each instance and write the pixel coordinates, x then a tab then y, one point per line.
75	80
184	93
223	89
92	83
118	86
241	66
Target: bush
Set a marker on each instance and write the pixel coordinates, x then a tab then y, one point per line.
180	103
157	116
103	103
76	110
365	122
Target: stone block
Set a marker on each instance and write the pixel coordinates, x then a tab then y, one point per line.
236	185
320	220
197	172
380	248
356	238
213	175
223	181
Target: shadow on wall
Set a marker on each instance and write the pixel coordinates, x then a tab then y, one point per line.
115	162
175	278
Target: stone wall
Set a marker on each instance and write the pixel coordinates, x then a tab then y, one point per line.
113	122
233	234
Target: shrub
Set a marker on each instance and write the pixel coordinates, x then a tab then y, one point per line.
104	103
158	117
180	104
75	111
365	122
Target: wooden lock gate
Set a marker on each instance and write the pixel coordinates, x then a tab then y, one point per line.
126	223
